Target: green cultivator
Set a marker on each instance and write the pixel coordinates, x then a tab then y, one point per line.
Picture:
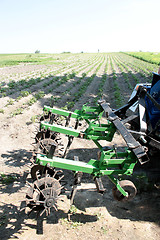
50	155
48	183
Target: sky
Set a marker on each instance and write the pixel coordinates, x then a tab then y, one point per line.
55	26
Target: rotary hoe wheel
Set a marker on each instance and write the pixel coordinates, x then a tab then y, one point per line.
45	138
51	118
43	194
38	171
43	142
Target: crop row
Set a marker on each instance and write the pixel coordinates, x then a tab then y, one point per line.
65	84
58	81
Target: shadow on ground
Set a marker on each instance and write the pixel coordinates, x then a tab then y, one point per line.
144	207
18	157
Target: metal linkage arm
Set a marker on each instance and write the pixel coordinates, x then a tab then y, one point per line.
132	144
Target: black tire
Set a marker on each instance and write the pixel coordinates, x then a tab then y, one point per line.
129	187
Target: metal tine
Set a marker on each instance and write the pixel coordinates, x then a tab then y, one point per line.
61	178
40	201
31	185
39	190
30	200
32	161
42	212
49	211
45	183
55	207
31	211
42	146
33	143
59	188
54	174
46	212
22	209
29	166
61	199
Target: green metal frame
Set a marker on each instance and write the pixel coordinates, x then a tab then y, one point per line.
111	162
91	115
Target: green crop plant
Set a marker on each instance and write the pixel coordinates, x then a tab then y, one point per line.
117	92
70	105
73	209
25	93
34	118
83	75
150	57
125	75
70	223
46	84
7	178
4	94
36	97
3	89
22	82
17	112
39	95
10	102
72	75
12	84
32	101
53	100
1	110
18	98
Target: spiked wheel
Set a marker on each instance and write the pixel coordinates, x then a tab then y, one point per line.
43	146
38	171
45	134
43	142
51	118
43	194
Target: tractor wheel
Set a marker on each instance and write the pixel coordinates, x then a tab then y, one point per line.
129	187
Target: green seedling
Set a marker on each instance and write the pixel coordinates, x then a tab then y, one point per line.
17	112
1	110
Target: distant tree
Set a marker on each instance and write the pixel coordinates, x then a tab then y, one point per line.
66	52
37	51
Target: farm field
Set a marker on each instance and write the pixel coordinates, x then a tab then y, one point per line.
27	83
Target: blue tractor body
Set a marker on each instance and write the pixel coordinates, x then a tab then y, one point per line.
152	109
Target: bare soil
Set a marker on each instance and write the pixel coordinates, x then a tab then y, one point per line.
93	216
